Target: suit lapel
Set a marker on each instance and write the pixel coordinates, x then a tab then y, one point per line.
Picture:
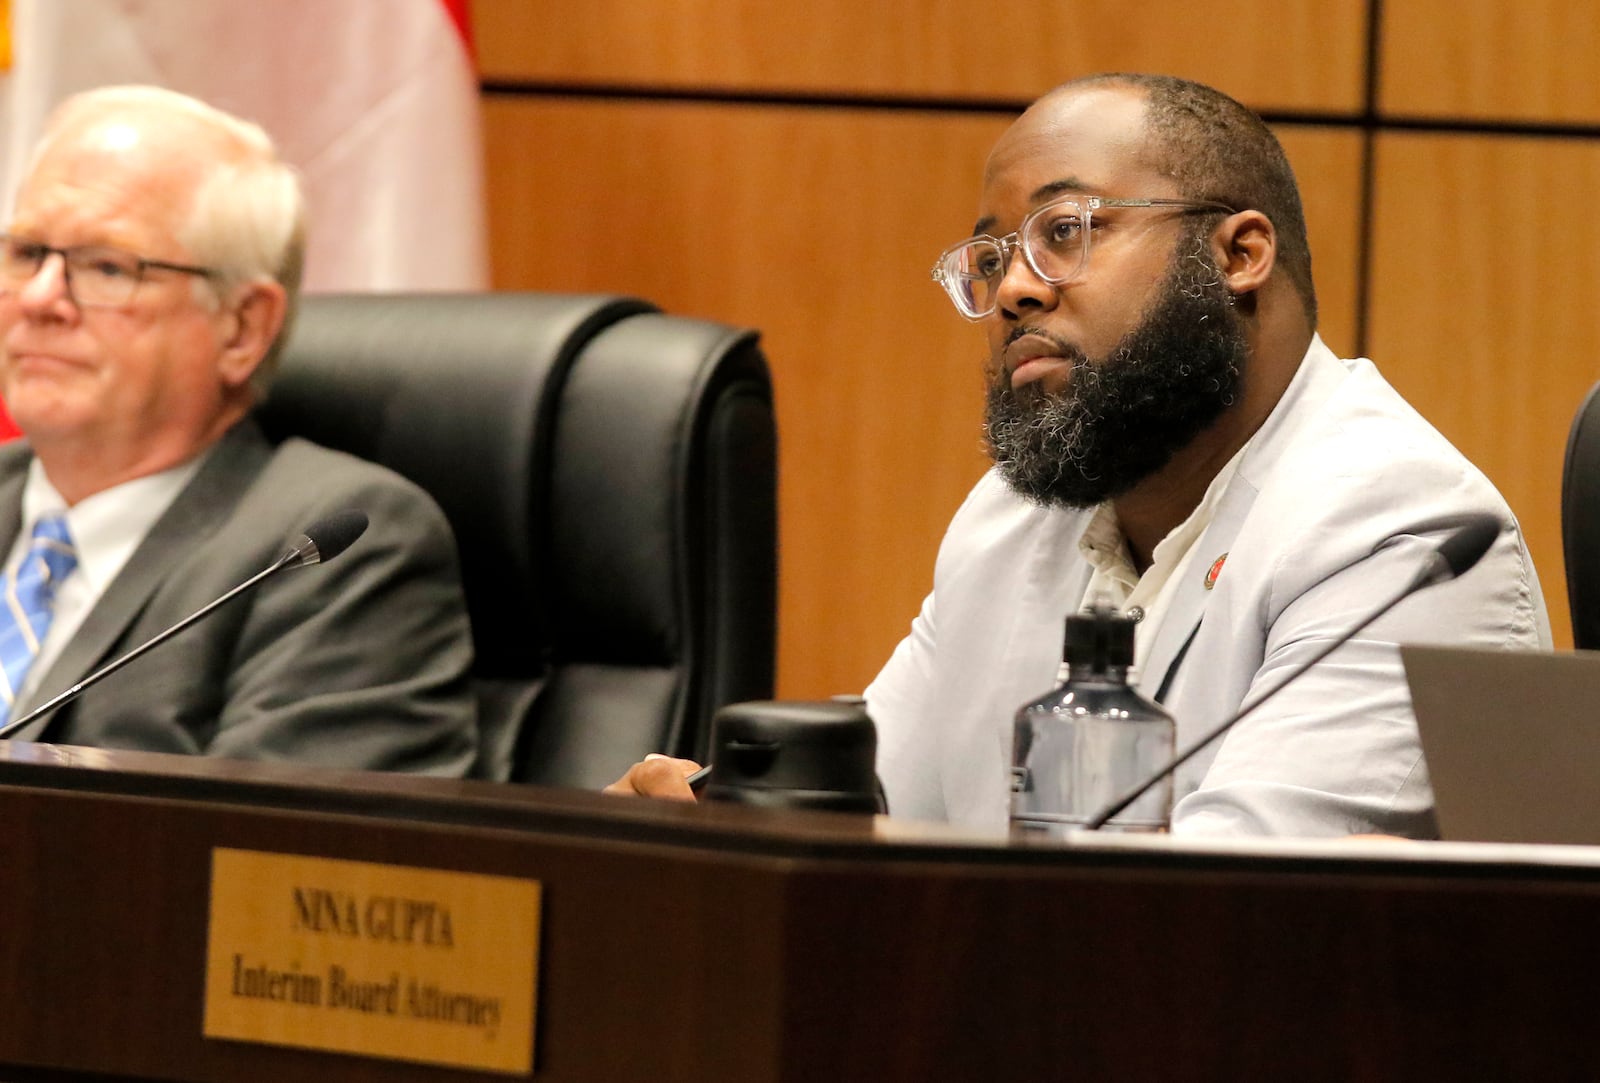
1188	605
202	506
1319	373
11	509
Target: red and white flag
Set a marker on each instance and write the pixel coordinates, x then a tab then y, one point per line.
374	101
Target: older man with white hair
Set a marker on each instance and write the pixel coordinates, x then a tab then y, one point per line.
147	277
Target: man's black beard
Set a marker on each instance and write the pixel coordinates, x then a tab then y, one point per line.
1119	421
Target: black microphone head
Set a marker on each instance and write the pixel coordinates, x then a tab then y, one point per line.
1465	545
335	534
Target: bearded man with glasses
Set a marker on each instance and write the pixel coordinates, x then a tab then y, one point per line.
147	278
1170	434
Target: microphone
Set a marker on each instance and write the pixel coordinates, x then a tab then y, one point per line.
326	538
1459	551
322	541
1464	548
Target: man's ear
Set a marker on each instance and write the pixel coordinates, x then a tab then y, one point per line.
254	316
1246	249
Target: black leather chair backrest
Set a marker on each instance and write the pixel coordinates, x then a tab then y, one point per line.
610	473
1580	522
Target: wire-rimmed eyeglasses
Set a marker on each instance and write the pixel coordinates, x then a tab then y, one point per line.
1054	239
96	275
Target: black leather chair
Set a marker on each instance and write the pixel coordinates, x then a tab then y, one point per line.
610	473
1580	522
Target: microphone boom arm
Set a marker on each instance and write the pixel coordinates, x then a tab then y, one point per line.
1435	571
292	557
322	541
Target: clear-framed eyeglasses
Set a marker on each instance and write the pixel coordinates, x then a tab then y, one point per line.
97	276
1054	239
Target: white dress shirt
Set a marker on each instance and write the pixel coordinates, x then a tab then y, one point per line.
106	528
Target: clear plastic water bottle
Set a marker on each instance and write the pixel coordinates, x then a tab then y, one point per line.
1086	743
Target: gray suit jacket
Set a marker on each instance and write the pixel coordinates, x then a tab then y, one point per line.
358	663
1337	502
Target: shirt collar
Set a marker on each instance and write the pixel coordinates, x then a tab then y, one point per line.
107	526
1105	547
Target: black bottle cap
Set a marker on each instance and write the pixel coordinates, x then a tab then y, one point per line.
1097	639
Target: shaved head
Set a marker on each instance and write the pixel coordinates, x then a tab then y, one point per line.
1214	148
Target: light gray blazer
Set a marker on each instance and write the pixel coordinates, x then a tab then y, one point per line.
358	663
1327	515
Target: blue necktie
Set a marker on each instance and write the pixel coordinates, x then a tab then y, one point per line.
29	599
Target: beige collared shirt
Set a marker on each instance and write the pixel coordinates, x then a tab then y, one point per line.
1148	597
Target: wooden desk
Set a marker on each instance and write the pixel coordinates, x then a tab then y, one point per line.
720	943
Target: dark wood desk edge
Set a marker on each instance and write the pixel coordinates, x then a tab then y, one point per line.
804	946
720	828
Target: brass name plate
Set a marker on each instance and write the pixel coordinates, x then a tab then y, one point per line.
380	960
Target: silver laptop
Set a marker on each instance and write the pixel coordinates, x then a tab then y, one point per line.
1512	740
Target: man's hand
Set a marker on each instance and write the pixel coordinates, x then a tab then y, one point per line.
657	776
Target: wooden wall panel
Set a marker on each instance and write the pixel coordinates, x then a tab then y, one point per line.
1524	60
1327	163
1484	283
817	226
1277	54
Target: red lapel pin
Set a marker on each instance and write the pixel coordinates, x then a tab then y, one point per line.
1216	570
